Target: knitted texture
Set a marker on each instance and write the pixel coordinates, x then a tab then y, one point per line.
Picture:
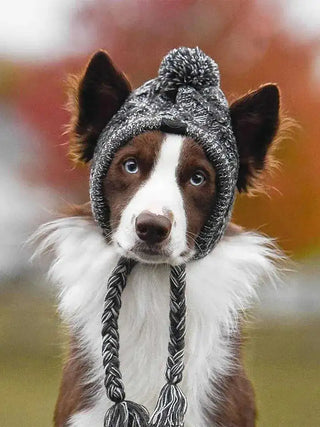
184	98
187	67
177	324
171	405
187	92
110	334
123	413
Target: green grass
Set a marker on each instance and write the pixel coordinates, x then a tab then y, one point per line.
30	359
282	360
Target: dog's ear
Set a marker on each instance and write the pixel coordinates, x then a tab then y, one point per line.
255	121
95	97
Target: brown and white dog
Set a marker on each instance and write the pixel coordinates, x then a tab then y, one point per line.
160	189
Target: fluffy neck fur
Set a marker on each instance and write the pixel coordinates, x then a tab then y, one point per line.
219	287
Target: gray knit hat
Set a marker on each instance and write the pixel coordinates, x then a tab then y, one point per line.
184	99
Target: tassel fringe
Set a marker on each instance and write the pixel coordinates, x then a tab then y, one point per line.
170	409
126	414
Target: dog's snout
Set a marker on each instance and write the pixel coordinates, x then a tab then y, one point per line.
152	228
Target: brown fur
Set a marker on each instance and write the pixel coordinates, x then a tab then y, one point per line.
198	201
237	401
237	408
83	210
75	394
120	186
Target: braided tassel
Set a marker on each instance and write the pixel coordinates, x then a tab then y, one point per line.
126	414
172	405
123	413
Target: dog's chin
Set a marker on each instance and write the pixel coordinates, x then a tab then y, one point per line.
154	255
146	258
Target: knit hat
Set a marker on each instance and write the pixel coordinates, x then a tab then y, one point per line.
185	98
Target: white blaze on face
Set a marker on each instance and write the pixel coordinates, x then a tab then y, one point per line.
160	194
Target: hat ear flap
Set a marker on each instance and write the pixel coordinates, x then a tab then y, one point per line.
255	121
95	97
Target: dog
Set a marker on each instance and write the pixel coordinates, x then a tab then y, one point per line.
160	189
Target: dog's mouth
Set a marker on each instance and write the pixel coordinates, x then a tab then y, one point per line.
155	254
146	253
150	250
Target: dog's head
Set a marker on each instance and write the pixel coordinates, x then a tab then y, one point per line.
160	187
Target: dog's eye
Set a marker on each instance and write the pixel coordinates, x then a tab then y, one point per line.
197	179
131	166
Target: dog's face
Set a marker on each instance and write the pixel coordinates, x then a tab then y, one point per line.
160	187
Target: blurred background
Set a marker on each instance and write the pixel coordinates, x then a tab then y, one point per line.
254	42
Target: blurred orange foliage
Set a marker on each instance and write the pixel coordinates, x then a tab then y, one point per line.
251	47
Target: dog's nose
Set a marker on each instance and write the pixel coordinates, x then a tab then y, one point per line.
152	228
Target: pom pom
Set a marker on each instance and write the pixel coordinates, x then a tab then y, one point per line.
126	414
171	408
188	67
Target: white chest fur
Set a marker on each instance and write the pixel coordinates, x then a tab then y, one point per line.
218	288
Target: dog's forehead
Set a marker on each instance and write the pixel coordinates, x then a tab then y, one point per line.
150	144
192	150
147	142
